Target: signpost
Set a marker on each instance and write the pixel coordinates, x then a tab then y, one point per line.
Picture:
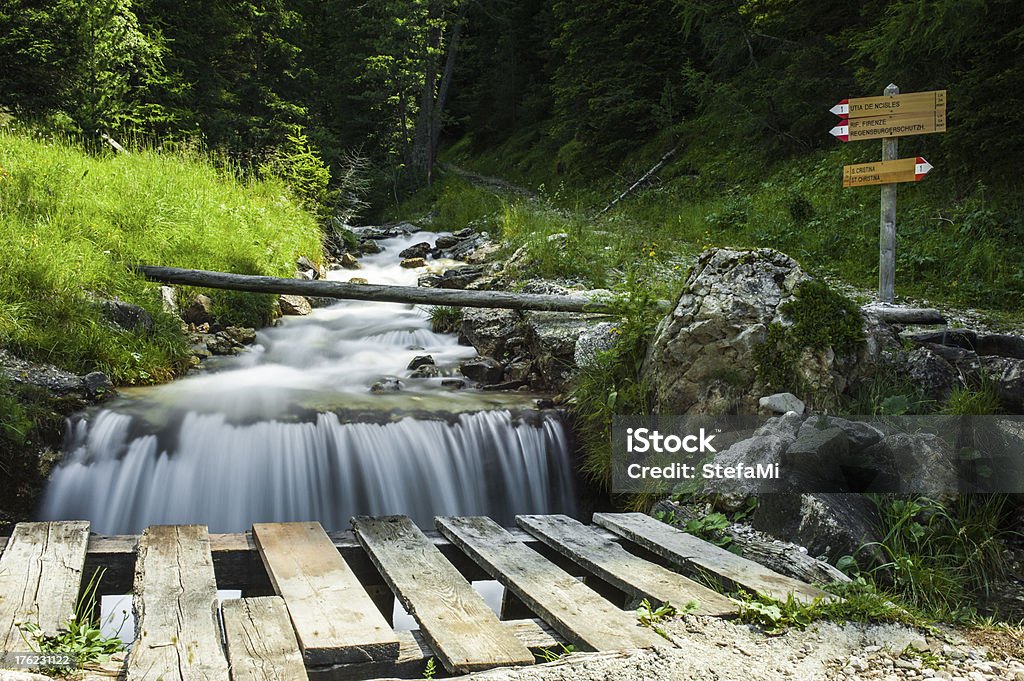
886	172
888	118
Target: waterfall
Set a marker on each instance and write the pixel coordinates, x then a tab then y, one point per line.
259	438
230	476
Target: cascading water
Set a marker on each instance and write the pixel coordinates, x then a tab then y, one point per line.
291	431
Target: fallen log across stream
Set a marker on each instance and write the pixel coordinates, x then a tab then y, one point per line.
411	295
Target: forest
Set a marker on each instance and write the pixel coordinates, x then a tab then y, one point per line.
667	163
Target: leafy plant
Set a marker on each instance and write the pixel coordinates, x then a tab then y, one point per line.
654	617
550	655
710	527
81	638
430	670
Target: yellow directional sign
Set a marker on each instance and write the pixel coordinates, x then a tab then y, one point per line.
910	103
876	127
886	172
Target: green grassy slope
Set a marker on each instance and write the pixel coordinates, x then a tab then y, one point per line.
70	222
960	239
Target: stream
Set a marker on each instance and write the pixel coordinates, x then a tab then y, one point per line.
292	431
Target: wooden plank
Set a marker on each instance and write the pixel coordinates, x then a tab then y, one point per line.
260	640
238	564
620	568
334	618
571	608
465	633
689	551
177	632
414	651
40	575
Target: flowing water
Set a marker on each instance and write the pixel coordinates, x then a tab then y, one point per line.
292	431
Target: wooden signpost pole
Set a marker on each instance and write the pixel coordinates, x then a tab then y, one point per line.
887	223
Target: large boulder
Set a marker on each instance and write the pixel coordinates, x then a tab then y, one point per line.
295	305
551	339
126	316
722	314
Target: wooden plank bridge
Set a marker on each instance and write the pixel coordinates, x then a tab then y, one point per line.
318	605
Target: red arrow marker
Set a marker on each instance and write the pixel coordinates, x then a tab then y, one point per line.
841	131
842	109
921	168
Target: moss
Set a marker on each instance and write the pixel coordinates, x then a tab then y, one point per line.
819	318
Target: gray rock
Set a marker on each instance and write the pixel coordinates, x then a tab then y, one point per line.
1007	377
1001	345
413	263
387	385
425	371
446	241
169	299
494	333
760	449
199	311
420	250
369	247
721	316
551	340
486	370
127	316
240	335
859	435
784	427
460	277
781	403
832	525
97	384
464	233
308	275
819	453
922	462
596	338
520	370
934	375
304	264
295	305
453	383
428	280
420	361
349	261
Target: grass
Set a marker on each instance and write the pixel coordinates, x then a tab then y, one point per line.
940	558
960	241
71	222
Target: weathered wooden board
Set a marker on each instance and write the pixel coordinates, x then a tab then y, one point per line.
689	551
334	618
261	643
414	651
40	575
620	568
571	608
464	632
177	632
238	564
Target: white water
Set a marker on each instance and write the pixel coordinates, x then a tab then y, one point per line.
259	439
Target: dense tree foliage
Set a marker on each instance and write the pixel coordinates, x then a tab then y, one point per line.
594	78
